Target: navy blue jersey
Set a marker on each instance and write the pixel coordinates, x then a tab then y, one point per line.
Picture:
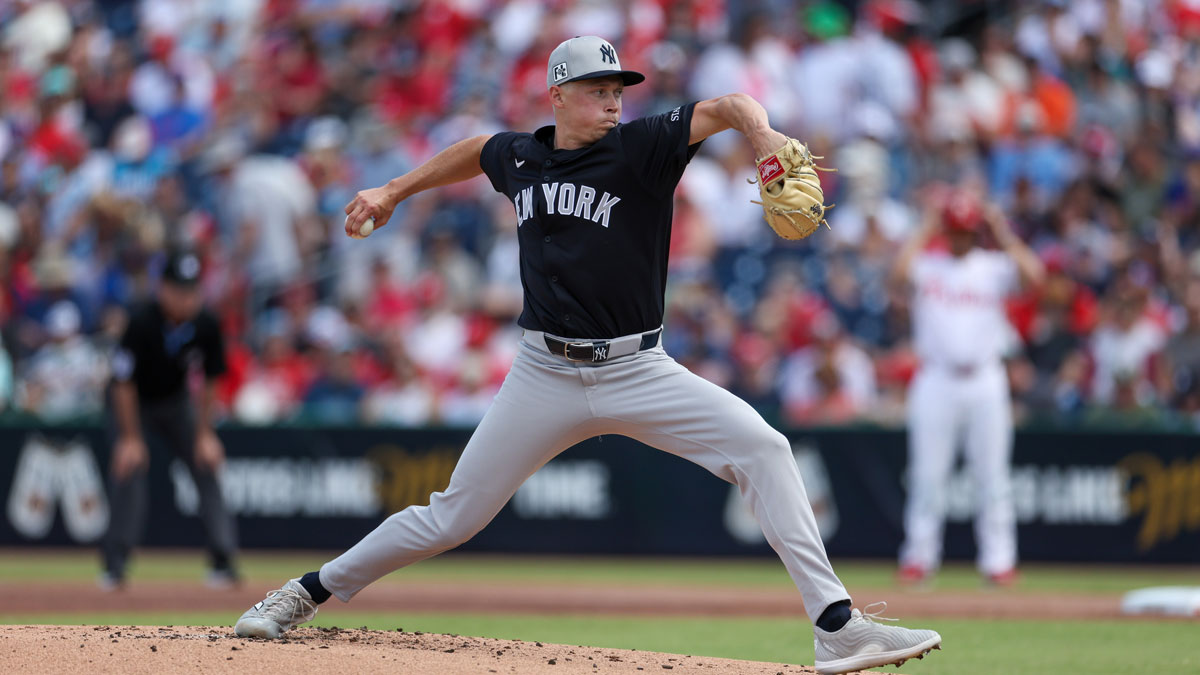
594	224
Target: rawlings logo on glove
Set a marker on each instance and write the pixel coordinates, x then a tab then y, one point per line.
769	170
792	199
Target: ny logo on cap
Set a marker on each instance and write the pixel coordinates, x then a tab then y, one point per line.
608	54
560	71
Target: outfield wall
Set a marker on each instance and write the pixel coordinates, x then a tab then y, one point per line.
1111	497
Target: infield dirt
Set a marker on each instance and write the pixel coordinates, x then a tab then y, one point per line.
171	649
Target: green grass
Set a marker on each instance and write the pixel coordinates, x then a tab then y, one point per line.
1042	577
979	647
457	568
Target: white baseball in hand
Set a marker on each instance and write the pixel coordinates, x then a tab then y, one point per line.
363	230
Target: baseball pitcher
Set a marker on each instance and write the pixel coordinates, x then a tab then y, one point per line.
593	198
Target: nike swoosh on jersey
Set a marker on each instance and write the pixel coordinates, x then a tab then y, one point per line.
519	162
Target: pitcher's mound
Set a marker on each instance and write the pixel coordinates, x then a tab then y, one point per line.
159	649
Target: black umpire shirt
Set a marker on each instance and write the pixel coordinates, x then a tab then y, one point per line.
594	224
157	355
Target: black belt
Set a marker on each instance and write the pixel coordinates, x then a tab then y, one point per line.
594	350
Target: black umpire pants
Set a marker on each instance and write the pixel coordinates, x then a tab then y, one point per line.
170	423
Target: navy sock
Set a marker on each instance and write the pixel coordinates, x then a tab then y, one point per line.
834	617
312	583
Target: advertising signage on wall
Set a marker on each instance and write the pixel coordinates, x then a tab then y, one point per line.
1093	497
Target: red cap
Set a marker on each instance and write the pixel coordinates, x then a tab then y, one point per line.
1055	259
161	46
962	213
892	15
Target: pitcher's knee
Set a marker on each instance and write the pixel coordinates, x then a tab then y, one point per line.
775	447
760	438
458	532
769	450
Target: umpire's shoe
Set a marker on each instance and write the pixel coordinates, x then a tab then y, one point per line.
862	643
282	609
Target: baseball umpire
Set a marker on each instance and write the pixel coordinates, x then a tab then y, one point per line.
593	201
151	407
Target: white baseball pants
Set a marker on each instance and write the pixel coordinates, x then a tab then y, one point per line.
944	408
546	405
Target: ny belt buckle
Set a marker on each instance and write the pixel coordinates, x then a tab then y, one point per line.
599	351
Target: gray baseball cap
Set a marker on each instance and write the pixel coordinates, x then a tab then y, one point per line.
582	58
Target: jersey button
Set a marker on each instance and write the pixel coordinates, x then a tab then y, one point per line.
546	239
554	279
566	317
548	163
545	177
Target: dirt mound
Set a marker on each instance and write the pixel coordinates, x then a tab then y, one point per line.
158	649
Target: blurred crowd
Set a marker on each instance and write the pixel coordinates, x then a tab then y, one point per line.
241	128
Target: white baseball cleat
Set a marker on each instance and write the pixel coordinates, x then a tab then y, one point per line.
283	609
862	643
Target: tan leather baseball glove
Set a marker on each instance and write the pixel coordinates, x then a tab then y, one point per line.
792	200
